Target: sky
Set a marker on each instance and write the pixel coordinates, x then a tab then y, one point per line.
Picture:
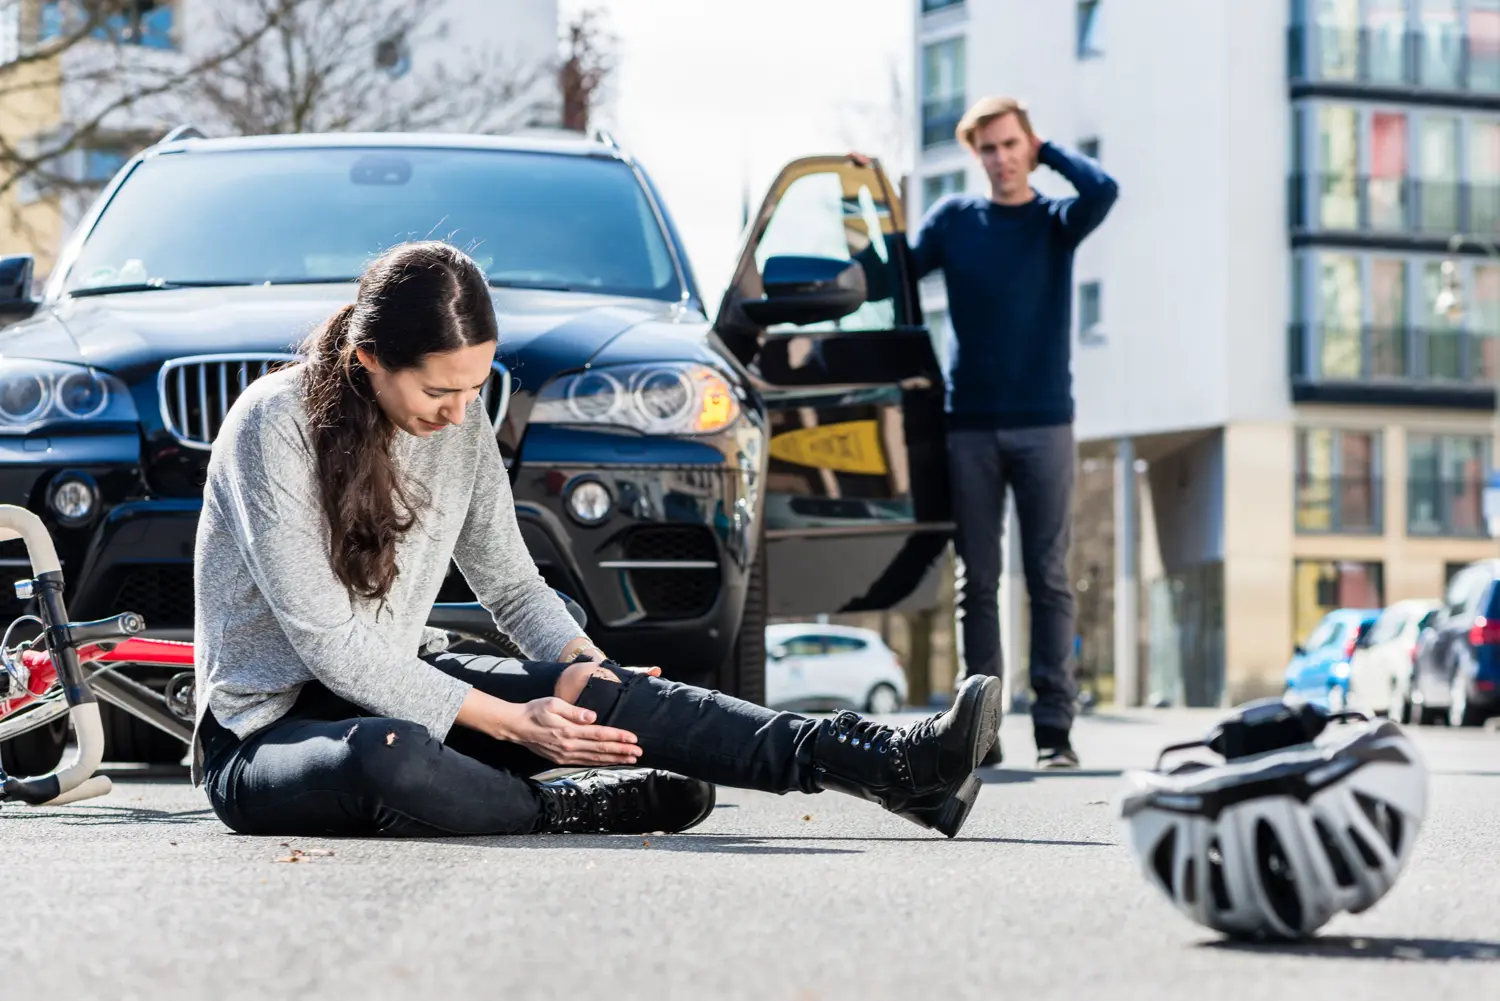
709	95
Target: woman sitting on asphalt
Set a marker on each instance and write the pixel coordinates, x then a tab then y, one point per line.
338	492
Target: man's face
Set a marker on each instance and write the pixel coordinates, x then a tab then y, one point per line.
1005	151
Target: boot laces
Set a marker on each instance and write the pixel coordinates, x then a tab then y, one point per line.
867	735
599	803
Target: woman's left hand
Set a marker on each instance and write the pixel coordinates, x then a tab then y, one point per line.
584	648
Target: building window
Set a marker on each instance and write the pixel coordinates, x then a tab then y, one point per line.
1323	586
1088	29
1090	148
1338	482
1090	313
942	91
1438	45
928	6
1445	477
148	23
940	186
1373	317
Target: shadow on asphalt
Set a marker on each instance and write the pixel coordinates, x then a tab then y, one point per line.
1371	947
1008	776
741	844
103	814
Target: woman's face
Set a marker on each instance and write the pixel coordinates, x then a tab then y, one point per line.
424	400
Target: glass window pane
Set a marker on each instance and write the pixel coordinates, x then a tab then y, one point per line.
1338	166
1388	353
1340	300
1440	175
1337	37
1483	320
1439	44
1388	170
1484	45
1484	176
1387	41
1441	346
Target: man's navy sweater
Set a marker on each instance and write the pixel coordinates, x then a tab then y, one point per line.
1009	271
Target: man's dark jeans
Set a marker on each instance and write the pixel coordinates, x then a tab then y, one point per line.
1037	464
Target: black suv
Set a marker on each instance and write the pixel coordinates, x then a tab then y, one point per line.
681	476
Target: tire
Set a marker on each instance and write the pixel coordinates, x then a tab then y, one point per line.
127	739
1404	710
744	673
883	700
1460	711
35	752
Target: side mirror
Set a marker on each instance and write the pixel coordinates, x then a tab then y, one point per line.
16	302
776	653
805	290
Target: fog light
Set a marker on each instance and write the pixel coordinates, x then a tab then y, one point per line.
74	498
589	501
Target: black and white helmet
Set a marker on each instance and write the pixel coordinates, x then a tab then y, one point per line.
1289	830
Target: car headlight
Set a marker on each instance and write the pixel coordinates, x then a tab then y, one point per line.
679	398
36	394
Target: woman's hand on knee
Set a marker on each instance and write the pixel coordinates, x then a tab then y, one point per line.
566	735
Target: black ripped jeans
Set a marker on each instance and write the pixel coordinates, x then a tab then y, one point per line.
328	768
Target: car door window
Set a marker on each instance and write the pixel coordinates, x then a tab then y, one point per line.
845	644
805	646
835	213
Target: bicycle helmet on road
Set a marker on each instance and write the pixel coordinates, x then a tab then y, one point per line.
1289	830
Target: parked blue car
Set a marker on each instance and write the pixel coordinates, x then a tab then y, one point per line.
1319	669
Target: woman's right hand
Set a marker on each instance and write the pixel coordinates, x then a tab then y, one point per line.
566	735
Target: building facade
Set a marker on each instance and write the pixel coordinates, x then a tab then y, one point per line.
1258	324
153	40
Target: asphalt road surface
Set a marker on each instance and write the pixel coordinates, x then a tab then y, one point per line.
143	894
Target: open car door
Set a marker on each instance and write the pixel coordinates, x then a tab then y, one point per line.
823	311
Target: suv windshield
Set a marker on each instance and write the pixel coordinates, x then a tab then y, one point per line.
541	220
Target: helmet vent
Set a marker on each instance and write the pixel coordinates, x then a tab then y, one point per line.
1276	875
1342	874
1216	884
1163	855
1365	851
1386	820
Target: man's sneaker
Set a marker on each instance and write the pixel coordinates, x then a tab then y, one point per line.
623	801
923	772
1056	757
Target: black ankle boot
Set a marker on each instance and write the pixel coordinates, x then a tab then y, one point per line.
923	772
623	801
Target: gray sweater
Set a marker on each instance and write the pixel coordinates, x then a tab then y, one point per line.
272	615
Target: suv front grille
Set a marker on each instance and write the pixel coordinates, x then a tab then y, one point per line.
197	392
674	570
162	594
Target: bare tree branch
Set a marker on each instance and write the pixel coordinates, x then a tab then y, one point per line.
320	70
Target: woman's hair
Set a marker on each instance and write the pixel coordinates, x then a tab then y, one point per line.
416	299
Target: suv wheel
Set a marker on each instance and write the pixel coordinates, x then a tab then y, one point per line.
744	674
35	752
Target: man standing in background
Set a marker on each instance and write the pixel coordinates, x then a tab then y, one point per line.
1007	260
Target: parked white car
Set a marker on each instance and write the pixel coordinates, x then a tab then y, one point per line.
1381	669
819	668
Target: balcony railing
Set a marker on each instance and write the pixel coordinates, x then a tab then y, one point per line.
940	119
1451	508
1410	356
1400	206
1339	505
1395	58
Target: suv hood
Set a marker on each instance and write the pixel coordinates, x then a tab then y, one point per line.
132	333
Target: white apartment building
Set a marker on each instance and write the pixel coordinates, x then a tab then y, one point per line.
1255	322
164	36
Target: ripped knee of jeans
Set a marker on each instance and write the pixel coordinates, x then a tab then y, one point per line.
577	678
